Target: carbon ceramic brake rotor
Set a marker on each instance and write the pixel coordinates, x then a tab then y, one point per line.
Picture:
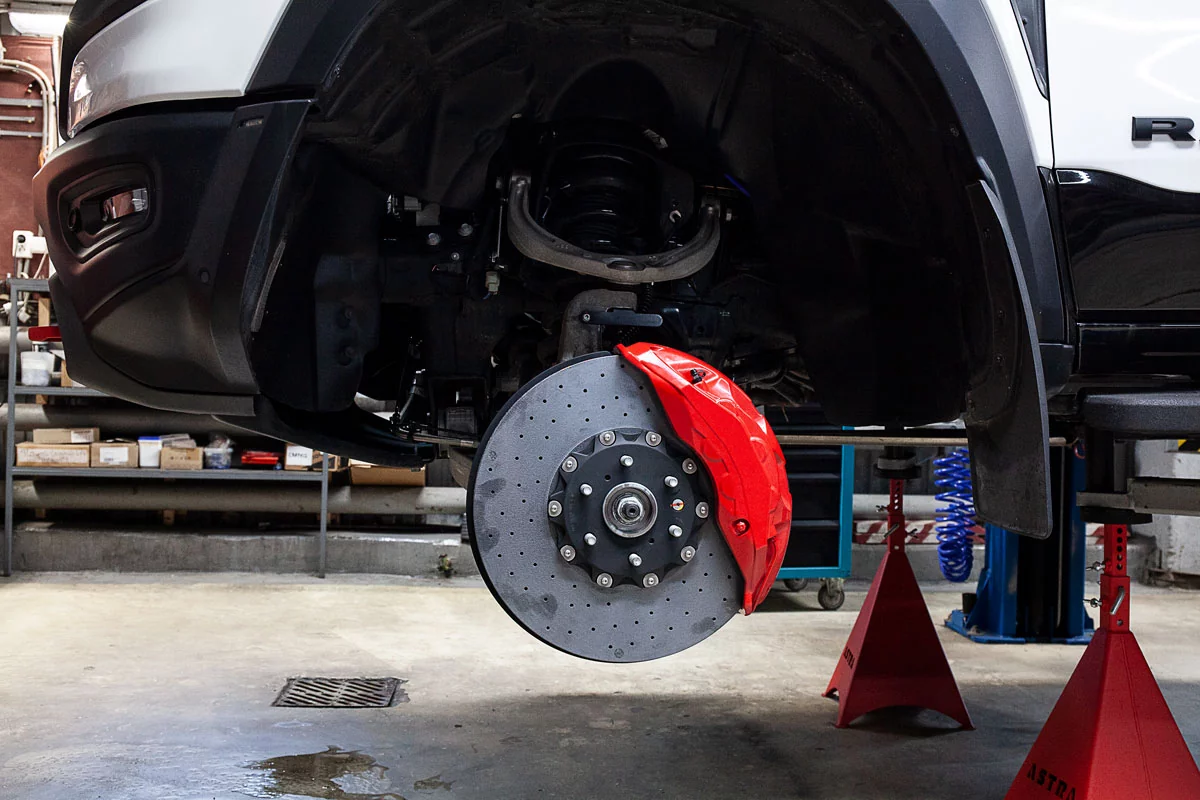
519	467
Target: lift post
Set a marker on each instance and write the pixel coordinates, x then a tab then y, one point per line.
893	656
1031	590
1111	733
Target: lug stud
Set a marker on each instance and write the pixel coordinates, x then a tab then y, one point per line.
635	559
589	539
555	508
570	464
607	438
650	580
604	580
567	552
626	461
675	531
702	510
585	489
653	439
689	466
687	553
670	481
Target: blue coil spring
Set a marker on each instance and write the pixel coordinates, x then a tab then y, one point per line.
956	519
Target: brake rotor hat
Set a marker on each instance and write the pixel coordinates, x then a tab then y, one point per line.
589	528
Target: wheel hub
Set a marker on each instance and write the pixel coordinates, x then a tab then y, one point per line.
628	506
630	510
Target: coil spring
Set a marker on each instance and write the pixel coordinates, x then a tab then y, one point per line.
956	519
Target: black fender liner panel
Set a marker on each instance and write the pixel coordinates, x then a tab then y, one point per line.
1009	424
956	36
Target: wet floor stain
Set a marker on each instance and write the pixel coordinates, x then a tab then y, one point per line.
333	774
429	784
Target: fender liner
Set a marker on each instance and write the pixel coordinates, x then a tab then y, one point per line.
958	39
959	43
1008	426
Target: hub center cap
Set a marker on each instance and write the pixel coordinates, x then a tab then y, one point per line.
630	510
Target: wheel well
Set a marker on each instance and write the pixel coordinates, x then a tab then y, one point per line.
830	115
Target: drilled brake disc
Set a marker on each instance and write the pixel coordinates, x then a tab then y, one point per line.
591	521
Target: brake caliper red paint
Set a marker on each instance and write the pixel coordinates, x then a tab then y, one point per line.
716	418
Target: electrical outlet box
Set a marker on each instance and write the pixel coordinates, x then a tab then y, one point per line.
26	245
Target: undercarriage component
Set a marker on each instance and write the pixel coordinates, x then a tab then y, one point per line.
630	568
717	419
579	336
616	267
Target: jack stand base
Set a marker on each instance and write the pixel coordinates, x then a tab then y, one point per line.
1110	735
894	657
957	622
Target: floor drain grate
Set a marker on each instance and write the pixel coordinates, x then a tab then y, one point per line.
338	693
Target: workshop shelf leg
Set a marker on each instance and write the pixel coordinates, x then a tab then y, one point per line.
894	656
1111	734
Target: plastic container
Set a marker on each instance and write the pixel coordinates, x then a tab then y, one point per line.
218	457
36	368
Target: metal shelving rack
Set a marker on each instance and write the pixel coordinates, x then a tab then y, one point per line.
20	286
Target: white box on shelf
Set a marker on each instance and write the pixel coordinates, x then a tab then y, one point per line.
149	451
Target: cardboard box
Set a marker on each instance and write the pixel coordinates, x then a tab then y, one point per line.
366	474
181	458
66	435
149	448
65	379
298	457
178	440
33	454
120	455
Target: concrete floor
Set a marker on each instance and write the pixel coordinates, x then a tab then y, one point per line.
159	687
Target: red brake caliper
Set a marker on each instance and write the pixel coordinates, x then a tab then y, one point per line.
716	418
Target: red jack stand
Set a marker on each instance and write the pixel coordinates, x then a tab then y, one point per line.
1111	734
894	657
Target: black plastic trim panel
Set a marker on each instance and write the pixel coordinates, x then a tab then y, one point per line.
89	368
307	42
960	41
1139	350
1144	415
1032	14
158	295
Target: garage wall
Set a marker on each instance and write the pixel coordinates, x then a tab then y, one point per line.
18	156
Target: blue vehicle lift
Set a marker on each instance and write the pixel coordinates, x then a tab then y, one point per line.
1032	590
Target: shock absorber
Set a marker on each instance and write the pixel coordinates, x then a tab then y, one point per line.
956	519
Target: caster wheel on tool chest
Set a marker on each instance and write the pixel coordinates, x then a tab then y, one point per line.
831	595
796	584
